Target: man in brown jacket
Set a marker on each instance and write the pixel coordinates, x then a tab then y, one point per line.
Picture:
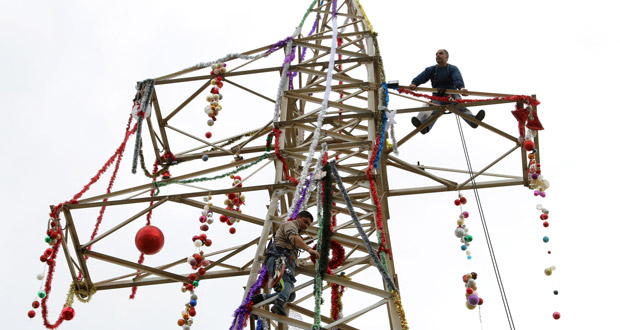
284	253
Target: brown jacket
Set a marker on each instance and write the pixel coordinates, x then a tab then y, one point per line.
285	236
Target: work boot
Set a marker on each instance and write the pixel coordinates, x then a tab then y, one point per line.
258	298
417	123
480	116
278	307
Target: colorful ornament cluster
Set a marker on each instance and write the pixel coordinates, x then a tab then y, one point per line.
233	203
471	290
536	180
461	231
214	107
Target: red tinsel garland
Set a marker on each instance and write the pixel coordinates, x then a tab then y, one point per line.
375	197
277	150
337	256
528	99
54	215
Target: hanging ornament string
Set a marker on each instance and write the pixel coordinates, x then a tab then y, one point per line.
303	52
148	222
337	293
400	310
316	175
159	184
371	251
324	105
375	198
324	241
243	312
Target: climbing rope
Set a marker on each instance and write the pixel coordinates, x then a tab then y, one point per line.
485	228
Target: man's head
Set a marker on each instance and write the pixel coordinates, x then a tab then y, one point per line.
442	57
304	218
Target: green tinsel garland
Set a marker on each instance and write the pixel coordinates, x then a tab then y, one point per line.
203	179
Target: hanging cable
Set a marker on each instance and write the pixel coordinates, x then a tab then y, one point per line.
485	229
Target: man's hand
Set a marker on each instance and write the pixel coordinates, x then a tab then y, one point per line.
463	90
413	86
315	254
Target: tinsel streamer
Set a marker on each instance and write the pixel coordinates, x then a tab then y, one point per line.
316	178
281	158
303	52
381	140
159	184
514	98
375	199
94	179
243	312
54	215
283	78
318	278
360	229
324	104
302	199
149	84
134	289
365	17
337	292
259	324
326	236
400	310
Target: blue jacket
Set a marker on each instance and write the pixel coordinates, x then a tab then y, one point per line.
448	77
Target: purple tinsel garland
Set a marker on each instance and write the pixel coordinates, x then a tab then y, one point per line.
243	311
301	198
303	53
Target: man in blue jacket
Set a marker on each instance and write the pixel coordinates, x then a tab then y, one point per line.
442	76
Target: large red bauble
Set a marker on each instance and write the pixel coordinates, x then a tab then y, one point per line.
528	145
67	313
31	314
149	240
556	315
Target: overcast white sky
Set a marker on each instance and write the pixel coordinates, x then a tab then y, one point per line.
68	69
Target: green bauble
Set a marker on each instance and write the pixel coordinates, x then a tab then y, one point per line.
468	238
48	239
195	283
42	294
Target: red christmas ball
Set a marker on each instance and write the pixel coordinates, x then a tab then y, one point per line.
528	145
50	262
203	237
457	202
192	277
192	312
208	135
35	304
470	291
231	196
223	218
236	200
204	227
544	216
53	235
208	242
545	224
232	230
556	315
195	238
68	313
31	314
48	252
190	287
202	271
480	301
219	84
149	240
43	258
463	200
228	222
